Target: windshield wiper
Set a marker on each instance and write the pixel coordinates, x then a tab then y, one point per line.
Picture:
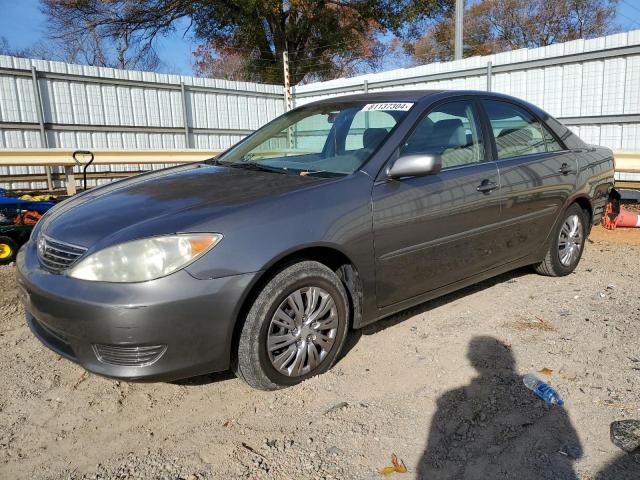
254	166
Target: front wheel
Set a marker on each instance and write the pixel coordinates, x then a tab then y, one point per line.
567	244
295	328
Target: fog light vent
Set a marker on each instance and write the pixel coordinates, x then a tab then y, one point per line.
129	355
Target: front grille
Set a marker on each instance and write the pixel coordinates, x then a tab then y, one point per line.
57	256
129	356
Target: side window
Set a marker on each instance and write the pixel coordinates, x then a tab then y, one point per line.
515	130
368	129
451	130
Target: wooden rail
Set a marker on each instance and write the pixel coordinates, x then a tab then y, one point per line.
59	157
627	163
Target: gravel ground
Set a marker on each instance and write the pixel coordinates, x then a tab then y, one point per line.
440	386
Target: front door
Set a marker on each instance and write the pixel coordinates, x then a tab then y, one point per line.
434	230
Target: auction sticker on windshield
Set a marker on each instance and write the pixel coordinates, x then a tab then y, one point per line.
397	107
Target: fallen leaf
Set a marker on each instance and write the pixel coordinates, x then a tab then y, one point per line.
398	466
82	378
546	371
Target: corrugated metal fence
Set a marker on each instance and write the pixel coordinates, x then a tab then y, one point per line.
592	86
56	105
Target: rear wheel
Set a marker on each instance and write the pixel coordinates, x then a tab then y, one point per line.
295	328
8	250
567	244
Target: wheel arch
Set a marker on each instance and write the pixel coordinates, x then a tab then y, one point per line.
328	255
586	205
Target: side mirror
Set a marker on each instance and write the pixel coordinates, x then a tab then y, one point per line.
415	165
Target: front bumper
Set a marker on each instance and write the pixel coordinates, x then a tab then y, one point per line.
192	320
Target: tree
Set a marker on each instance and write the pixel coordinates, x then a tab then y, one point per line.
438	44
323	37
537	23
6	49
80	36
496	25
220	63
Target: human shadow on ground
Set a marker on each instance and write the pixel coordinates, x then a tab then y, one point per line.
624	467
495	428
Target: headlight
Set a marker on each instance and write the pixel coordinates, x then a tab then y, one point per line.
146	259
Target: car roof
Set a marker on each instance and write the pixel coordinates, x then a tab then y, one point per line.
407	96
388	96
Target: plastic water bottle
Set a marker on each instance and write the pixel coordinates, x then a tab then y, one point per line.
543	390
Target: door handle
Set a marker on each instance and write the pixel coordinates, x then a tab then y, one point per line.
565	169
486	186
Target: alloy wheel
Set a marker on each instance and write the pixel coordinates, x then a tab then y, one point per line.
570	240
302	331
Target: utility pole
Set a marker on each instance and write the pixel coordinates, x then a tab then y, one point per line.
288	97
459	20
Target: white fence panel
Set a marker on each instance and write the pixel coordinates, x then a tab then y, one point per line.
94	108
593	86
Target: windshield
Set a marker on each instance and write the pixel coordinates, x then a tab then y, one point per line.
324	140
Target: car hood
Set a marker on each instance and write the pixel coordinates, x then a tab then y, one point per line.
164	202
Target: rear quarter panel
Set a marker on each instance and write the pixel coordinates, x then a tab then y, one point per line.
595	178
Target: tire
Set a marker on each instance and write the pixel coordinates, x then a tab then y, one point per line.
8	250
271	319
559	259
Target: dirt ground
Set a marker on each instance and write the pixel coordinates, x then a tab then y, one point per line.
440	386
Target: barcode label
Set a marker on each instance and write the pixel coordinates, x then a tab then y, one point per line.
398	107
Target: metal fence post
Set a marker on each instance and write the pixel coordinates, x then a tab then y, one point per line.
70	180
489	74
40	112
185	115
365	88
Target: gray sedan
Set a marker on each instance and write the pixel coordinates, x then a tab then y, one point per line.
332	216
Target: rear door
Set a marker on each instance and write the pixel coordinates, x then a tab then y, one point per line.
537	175
434	230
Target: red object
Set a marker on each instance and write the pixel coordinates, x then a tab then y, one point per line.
27	218
622	218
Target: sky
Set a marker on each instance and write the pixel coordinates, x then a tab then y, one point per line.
22	23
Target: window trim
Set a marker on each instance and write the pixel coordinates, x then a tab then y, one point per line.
543	125
473	100
549	131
